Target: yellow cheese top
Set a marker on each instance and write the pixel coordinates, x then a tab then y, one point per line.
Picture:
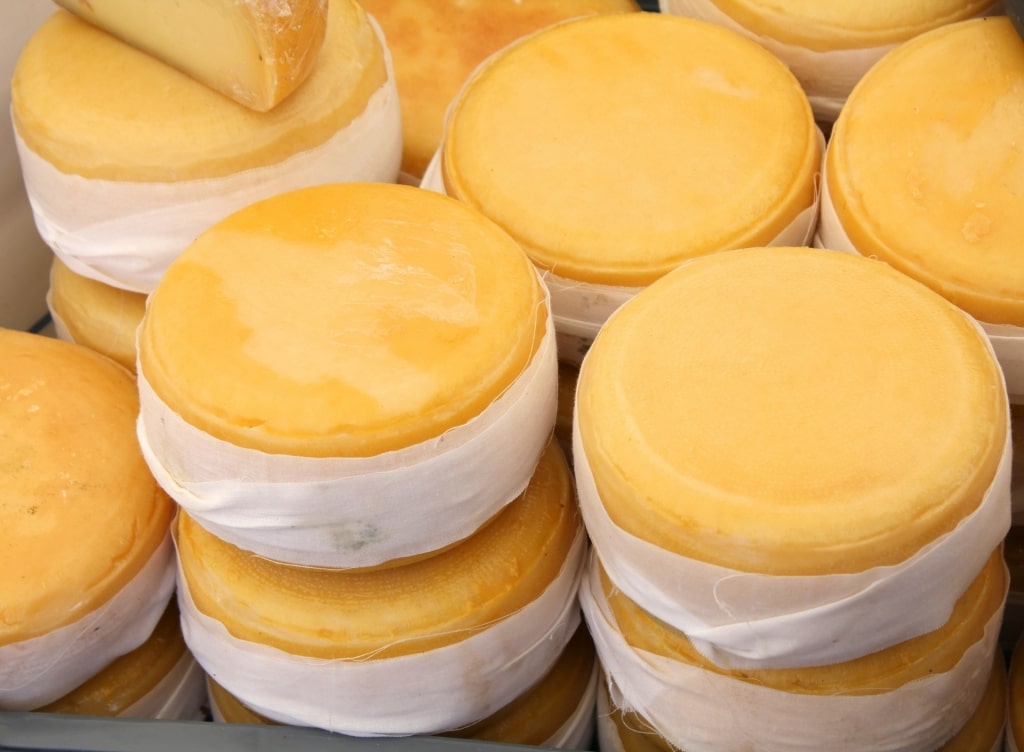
436	45
253	51
790	411
132	676
397	610
80	511
617	146
884	671
97	107
852	24
342	320
98	316
940	196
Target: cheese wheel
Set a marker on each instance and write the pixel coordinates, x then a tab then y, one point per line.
256	53
939	196
790	411
436	44
95	315
342	320
704	142
81	513
93	106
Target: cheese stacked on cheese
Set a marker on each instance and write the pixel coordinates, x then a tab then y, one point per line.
86	565
255	52
829	46
127	159
98	316
420	647
437	44
939	197
704	142
159	679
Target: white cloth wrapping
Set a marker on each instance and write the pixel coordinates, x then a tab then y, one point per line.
826	76
126	233
179	696
347	512
580	309
422	693
37	671
702	711
749	620
1007	341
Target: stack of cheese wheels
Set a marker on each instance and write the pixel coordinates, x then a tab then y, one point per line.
87	564
557	712
126	159
939	198
350	391
794	468
94	314
160	680
830	46
420	647
436	45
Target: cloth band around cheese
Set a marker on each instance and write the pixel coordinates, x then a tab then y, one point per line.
314	511
828	77
1007	340
748	620
581	308
421	693
657	687
127	233
38	671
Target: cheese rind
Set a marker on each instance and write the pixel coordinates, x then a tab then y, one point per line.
93	106
705	142
791	411
939	197
253	51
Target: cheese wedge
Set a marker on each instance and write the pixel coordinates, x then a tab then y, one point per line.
392	611
705	142
91	105
939	196
342	320
80	511
99	316
253	51
790	411
436	45
847	25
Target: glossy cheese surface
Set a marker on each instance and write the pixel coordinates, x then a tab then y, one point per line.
940	196
392	611
436	45
790	411
94	106
342	320
849	24
254	51
99	316
704	142
80	511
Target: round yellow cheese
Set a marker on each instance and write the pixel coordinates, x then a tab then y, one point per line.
94	106
130	677
790	411
99	316
847	25
395	610
615	147
436	45
80	511
884	671
925	168
342	320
